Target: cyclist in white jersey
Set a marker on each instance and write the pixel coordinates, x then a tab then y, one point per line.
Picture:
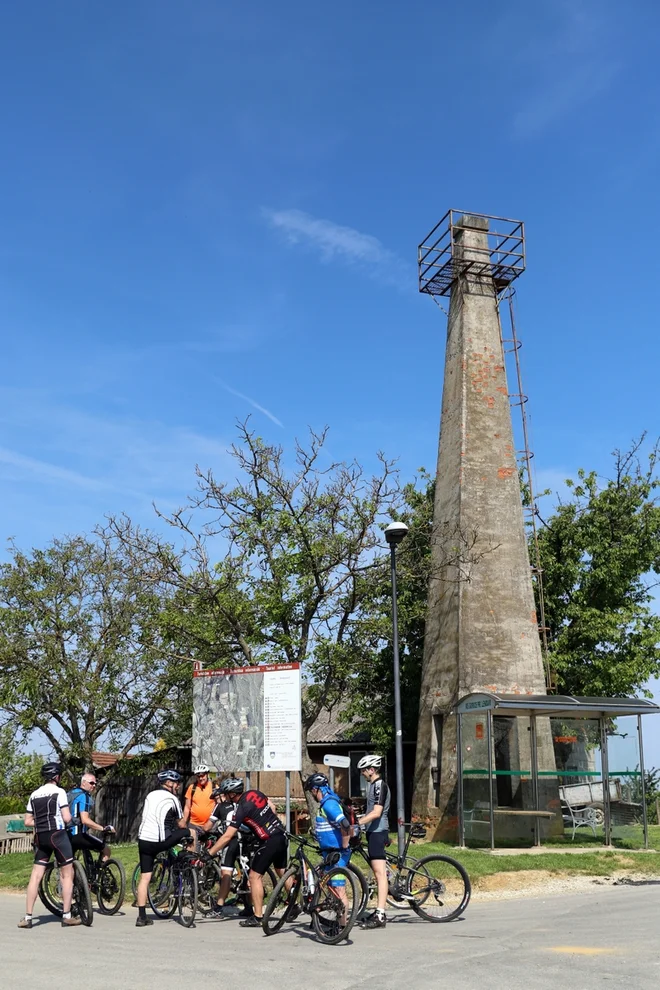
162	826
48	813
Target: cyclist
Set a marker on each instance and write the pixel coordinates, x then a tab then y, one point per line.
81	803
199	799
48	813
257	812
162	826
222	816
377	827
332	827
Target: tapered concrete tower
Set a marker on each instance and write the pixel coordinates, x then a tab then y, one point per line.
481	627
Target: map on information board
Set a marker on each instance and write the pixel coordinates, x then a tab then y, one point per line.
247	718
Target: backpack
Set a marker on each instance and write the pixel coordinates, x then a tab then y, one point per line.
75	819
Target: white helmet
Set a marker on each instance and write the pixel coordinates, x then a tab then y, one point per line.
201	768
370	761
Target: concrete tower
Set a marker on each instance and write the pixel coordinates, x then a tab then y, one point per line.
481	628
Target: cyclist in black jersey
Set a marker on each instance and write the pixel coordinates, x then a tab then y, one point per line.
257	812
48	813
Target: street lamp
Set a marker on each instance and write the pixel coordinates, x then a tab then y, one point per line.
394	534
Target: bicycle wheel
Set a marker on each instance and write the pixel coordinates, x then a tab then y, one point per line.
364	890
335	904
161	893
282	902
111	886
81	904
187	896
50	890
208	881
440	888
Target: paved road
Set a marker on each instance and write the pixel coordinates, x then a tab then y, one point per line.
573	942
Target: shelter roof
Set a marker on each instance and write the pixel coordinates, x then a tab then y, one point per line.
564	706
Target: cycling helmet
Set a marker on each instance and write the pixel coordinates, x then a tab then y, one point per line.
50	771
165	775
316	780
201	768
370	761
232	785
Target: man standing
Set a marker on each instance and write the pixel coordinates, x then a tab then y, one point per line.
48	813
162	826
81	804
378	806
222	816
256	811
332	827
199	799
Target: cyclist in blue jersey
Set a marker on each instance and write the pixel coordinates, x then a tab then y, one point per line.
332	827
81	804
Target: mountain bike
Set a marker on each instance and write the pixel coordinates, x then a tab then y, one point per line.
435	887
174	885
106	879
210	875
327	892
50	893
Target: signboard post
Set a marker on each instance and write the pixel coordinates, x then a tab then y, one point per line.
332	760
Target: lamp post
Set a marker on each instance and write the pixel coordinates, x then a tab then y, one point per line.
394	534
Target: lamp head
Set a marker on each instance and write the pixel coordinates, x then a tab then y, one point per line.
395	532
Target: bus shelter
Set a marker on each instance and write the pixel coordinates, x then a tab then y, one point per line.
541	767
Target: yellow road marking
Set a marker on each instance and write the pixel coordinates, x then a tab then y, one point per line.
582	950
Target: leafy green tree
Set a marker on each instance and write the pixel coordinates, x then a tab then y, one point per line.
19	771
82	654
600	554
274	566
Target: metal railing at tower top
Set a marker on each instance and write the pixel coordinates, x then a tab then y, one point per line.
441	259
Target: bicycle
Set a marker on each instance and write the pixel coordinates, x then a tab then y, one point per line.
50	893
436	887
318	888
174	885
210	875
106	879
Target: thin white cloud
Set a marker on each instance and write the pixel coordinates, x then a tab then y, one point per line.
569	60
45	471
336	242
255	405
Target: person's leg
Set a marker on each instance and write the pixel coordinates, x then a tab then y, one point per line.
147	851
257	893
225	884
38	871
66	879
380	872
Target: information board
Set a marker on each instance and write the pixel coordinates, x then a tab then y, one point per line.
247	718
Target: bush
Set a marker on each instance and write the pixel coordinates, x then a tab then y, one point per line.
12	806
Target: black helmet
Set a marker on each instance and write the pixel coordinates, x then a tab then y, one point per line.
50	771
316	780
165	775
232	785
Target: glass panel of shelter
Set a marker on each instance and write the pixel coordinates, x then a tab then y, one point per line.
576	784
624	764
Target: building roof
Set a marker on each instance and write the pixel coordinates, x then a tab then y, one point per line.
328	728
101	760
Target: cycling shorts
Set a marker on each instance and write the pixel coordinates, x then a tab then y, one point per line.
376	842
274	852
83	840
149	850
342	861
47	843
229	855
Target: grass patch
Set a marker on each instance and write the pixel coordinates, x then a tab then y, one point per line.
15	868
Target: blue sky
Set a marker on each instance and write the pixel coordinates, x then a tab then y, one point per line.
213	210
